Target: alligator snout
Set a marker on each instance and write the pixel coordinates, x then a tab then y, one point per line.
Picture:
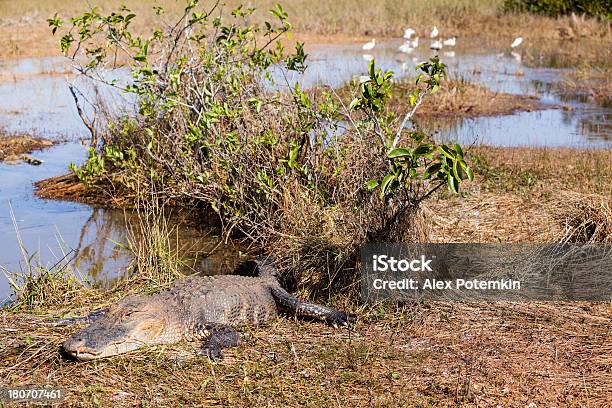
77	348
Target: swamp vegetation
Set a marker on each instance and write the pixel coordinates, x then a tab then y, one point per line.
308	175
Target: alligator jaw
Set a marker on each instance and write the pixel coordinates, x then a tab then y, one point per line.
78	351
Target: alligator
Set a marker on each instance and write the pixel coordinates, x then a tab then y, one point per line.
208	308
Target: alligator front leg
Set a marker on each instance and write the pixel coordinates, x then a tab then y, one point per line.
221	336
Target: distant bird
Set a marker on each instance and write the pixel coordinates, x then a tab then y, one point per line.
406	48
367	57
517	41
408	33
369	45
434	32
449	54
414	43
450	42
436	45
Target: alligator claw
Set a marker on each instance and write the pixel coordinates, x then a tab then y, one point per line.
340	319
213	353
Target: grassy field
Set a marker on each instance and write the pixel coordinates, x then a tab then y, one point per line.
435	354
24	31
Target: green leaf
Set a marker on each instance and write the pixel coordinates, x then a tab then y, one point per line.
468	170
434	168
445	150
453	184
457	171
399	153
385	183
458	150
372	184
423	150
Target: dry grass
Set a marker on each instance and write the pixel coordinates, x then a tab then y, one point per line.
521	195
458	98
588	84
584	218
441	354
24	31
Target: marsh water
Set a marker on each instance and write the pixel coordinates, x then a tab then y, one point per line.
34	99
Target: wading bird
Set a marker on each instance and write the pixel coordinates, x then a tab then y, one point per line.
434	32
436	45
406	48
369	45
450	42
517	41
408	33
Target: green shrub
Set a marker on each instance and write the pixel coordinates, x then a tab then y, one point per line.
220	127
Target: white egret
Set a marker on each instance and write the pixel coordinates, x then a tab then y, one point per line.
434	32
406	48
408	33
517	41
436	45
450	42
369	45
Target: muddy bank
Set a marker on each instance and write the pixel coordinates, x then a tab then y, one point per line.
462	99
589	85
14	148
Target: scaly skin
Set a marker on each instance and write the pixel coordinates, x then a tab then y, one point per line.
195	308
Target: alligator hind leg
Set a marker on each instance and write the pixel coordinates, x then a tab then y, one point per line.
333	317
220	337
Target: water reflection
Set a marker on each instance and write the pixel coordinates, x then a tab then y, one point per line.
92	237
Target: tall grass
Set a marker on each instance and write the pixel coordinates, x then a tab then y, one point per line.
36	286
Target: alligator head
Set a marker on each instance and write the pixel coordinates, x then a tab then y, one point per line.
130	324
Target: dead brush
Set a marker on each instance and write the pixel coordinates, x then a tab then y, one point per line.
583	217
